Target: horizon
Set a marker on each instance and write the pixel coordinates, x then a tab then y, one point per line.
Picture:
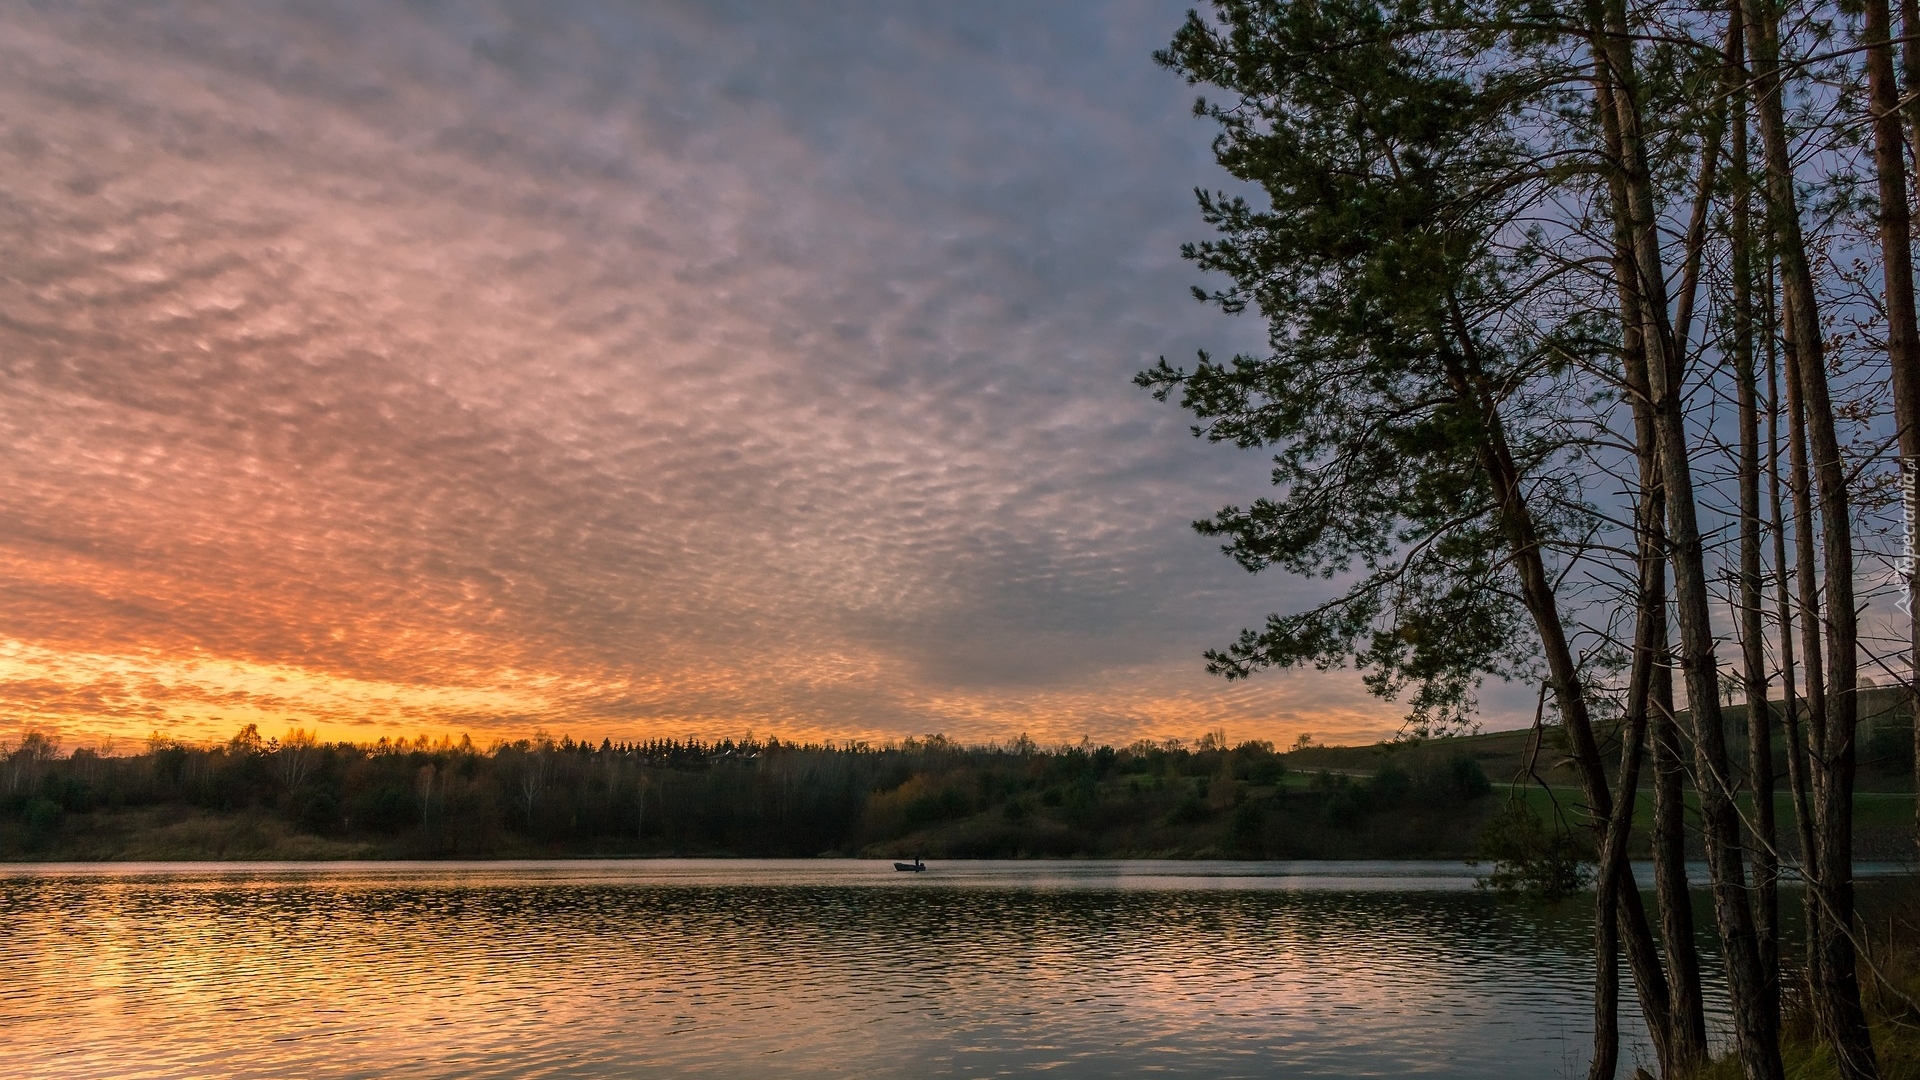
114	746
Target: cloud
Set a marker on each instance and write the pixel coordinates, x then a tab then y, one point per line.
686	367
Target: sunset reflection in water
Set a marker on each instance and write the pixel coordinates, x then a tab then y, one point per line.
784	968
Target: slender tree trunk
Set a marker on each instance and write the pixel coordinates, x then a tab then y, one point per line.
1616	875
1896	269
1910	465
1683	1048
1536	589
1681	1045
1796	748
1606	977
1677	928
1834	710
1910	471
1763	850
1648	647
1837	995
1687	1039
1807	588
1756	1030
1910	96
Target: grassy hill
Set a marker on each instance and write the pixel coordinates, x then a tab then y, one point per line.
1883	805
1885	739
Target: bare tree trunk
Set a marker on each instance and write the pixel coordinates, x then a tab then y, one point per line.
1807	588
1896	269
1796	748
423	783
1763	850
532	780
1649	648
1687	1038
1910	464
1616	874
1681	1042
1756	1028
1536	589
1837	994
1651	692
1677	928
1910	94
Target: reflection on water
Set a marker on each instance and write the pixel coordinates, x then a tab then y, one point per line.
778	968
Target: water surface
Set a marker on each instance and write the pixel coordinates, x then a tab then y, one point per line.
785	968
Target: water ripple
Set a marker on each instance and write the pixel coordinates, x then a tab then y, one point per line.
784	969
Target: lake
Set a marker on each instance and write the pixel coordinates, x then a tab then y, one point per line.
787	968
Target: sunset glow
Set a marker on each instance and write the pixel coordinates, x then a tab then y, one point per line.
396	372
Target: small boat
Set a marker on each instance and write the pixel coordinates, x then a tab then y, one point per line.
915	866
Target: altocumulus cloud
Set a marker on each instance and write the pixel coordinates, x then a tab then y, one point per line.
619	369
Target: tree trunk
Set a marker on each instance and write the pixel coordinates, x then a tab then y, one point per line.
1796	748
1536	589
1896	272
1677	929
1649	649
1807	587
1837	994
1910	470
1687	1038
1756	1029
1606	977
1683	1047
1616	875
1762	851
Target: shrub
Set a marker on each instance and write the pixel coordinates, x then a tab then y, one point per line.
1533	860
1191	810
1249	823
40	814
1388	787
935	807
1469	780
1454	779
385	809
317	810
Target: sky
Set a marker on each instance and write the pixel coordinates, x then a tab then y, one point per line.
621	370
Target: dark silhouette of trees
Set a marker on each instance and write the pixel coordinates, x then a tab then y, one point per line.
1519	267
767	798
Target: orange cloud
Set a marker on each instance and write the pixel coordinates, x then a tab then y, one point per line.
356	376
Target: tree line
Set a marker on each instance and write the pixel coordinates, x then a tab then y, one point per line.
1591	362
760	797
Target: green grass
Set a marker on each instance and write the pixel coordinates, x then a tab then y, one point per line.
1890	917
1505	754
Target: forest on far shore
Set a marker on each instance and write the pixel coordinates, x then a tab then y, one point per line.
297	797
